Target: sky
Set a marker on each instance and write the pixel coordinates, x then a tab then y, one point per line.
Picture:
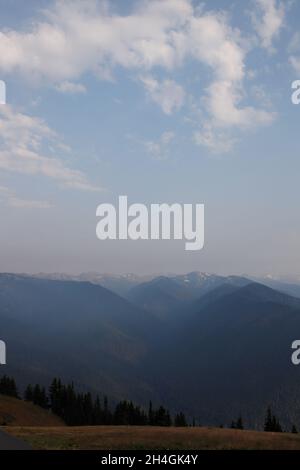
160	100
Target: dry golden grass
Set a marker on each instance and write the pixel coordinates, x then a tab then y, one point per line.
152	438
20	413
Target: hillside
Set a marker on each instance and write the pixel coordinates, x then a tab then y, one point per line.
160	296
152	438
14	412
233	349
78	331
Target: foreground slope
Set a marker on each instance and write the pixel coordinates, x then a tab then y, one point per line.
14	412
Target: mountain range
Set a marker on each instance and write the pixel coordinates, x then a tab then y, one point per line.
121	284
213	346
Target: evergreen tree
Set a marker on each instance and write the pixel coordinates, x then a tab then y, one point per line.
38	395
150	414
268	421
294	429
239	423
162	417
55	396
98	413
126	413
107	416
272	424
180	420
8	387
28	395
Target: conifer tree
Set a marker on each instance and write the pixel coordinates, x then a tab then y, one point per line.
180	420
28	395
162	417
272	424
239	423
150	414
8	387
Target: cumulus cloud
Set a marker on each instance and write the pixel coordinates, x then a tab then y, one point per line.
23	143
223	104
224	112
268	20
76	37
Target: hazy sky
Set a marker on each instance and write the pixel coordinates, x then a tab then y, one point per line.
159	100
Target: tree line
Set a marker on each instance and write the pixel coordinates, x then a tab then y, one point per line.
81	409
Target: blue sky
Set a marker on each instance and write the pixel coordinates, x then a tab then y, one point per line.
164	101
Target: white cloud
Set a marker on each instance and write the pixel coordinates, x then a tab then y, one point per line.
12	200
159	148
223	112
23	143
71	87
268	20
166	94
77	37
225	117
223	100
216	141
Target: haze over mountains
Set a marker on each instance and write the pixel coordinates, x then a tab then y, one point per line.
211	345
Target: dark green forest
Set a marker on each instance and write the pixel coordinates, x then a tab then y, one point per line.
82	409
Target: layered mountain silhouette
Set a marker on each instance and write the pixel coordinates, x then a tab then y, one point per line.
213	346
166	296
